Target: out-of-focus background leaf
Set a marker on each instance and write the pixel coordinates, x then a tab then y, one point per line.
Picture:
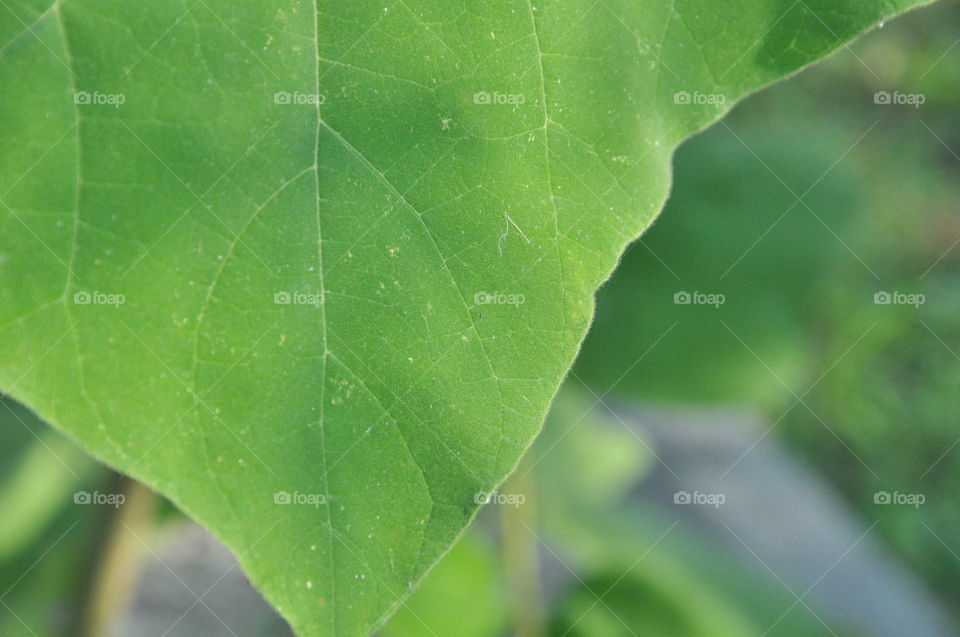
724	200
800	283
39	473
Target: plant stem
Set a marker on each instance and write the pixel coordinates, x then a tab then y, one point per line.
116	555
521	557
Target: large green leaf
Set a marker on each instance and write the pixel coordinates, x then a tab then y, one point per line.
249	248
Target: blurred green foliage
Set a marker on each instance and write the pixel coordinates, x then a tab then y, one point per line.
893	399
733	228
42	533
462	596
800	313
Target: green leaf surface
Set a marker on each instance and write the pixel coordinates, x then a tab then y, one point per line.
341	254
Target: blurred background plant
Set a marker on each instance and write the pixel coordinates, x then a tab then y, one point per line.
809	200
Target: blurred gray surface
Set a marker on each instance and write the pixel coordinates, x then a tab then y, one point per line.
781	516
189	564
